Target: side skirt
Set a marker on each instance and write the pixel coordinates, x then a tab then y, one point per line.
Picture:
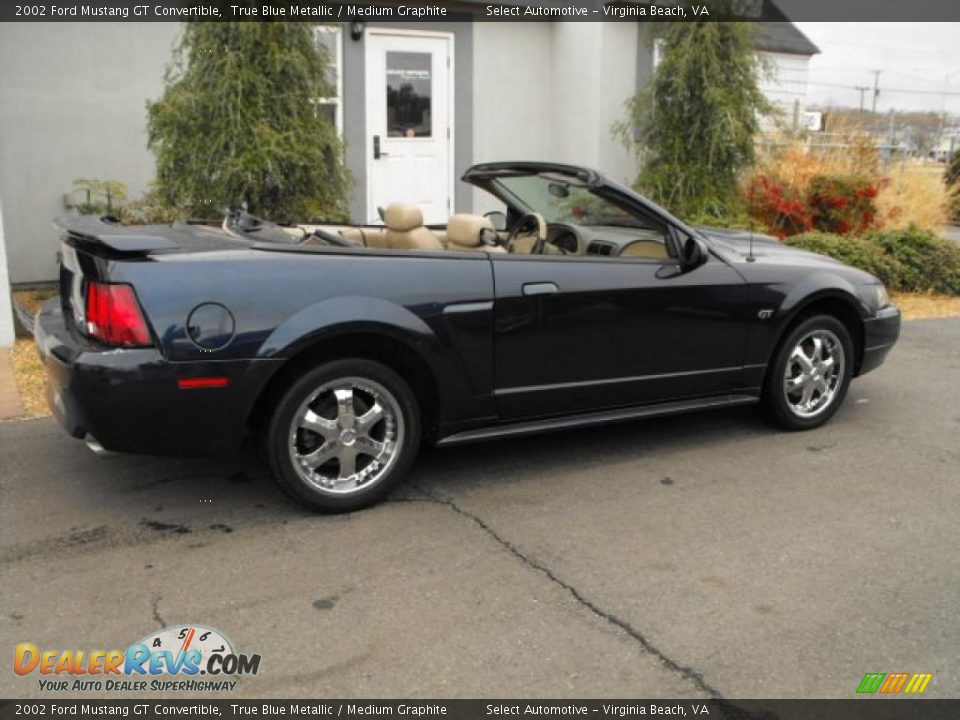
532	427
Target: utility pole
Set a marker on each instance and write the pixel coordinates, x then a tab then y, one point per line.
861	89
876	89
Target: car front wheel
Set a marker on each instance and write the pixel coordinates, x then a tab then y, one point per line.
810	374
343	435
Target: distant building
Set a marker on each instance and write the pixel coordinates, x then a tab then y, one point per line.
948	145
789	52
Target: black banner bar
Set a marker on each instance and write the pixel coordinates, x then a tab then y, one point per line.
481	11
873	708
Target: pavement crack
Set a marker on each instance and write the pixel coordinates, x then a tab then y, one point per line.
685	671
156	612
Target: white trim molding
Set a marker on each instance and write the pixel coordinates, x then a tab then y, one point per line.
6	306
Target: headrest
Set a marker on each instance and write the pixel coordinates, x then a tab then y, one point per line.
402	217
465	230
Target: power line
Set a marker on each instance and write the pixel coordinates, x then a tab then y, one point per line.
840	86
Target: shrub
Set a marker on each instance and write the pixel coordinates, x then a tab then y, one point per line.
908	193
237	124
838	204
843	204
952	180
926	262
952	176
780	208
99	197
696	122
151	209
858	252
911	260
913	194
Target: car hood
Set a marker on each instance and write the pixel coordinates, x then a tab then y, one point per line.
768	250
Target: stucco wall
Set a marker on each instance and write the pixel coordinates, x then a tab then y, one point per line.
72	104
552	91
618	50
512	95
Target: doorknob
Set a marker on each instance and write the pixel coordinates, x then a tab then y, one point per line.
541	288
377	153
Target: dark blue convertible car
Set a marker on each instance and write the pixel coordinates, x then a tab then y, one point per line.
342	348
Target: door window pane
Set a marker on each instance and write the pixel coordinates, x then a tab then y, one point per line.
409	94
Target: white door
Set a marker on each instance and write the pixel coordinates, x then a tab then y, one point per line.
409	115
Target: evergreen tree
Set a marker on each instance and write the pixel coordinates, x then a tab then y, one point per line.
237	124
698	117
952	178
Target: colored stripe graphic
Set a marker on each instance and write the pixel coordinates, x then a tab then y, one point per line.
918	682
893	683
871	682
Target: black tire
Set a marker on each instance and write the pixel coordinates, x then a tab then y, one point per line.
774	403
397	396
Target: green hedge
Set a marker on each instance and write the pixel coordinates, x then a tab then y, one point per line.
910	260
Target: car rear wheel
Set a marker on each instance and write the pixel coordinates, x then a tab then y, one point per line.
343	435
810	374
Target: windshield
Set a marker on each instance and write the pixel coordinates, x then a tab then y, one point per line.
567	200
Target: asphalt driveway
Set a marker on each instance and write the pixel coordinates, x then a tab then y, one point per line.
684	557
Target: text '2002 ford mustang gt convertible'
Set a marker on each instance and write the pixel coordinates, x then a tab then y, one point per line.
342	348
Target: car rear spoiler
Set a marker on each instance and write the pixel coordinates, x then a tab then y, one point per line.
116	237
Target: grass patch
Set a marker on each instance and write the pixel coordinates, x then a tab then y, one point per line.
917	306
32	300
30	376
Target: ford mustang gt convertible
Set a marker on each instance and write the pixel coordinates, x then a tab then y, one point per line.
341	349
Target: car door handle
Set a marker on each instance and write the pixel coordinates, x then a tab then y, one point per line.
541	288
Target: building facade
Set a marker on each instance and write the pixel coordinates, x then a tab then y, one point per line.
416	104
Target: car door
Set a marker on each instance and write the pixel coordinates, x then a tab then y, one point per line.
579	333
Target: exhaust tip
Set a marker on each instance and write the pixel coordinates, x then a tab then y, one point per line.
95	446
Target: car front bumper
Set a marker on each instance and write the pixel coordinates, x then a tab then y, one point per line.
129	400
880	334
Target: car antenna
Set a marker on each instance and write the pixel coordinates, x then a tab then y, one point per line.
750	256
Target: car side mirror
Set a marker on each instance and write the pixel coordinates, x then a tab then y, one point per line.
498	219
693	254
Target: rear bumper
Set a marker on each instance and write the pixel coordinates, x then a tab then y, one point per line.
129	399
880	334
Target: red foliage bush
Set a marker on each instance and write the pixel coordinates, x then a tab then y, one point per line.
835	204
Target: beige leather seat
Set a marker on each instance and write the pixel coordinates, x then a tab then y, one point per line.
466	232
405	230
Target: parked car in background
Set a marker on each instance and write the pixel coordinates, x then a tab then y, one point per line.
342	348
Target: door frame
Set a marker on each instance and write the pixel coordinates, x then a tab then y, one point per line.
451	87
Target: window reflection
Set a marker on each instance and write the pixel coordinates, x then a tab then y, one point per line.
409	94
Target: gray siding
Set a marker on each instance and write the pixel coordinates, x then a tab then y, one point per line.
72	104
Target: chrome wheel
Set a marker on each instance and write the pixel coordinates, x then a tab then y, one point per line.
814	373
346	436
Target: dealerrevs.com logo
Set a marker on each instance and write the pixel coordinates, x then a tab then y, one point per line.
171	660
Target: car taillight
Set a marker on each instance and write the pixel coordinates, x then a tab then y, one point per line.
114	316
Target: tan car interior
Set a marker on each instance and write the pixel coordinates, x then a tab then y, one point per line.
644	248
404	229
